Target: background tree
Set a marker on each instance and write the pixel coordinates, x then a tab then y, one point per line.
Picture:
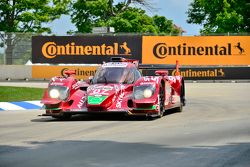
132	20
166	26
26	16
124	18
220	16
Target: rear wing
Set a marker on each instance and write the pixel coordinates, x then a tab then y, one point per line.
121	59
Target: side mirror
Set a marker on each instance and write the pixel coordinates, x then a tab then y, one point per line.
89	81
161	72
69	73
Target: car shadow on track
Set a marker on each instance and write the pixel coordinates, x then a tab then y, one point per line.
100	153
171	111
103	117
93	118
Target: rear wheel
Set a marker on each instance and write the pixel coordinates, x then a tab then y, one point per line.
180	108
182	101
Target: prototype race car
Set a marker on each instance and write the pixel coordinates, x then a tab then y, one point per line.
117	87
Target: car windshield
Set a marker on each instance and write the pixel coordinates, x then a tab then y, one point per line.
111	75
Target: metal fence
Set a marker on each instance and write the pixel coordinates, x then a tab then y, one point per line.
15	48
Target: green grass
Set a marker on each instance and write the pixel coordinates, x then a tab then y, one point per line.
8	93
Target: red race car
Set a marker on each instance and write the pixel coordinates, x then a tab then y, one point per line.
118	86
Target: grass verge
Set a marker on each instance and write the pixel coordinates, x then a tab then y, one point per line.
8	93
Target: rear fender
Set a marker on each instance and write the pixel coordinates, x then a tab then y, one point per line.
176	83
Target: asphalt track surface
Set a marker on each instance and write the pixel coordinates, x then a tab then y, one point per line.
212	131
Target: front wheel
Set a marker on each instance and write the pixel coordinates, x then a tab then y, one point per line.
62	116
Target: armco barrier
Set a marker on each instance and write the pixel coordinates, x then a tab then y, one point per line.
15	72
206	73
20	72
83	72
46	72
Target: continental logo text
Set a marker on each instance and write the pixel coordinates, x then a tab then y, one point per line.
51	50
206	73
162	50
80	72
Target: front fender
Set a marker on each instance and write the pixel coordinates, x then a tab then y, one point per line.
78	100
156	81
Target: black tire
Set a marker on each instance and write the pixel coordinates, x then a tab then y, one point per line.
62	116
161	102
182	100
180	109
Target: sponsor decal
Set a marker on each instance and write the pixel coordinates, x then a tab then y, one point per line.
82	72
147	83
172	79
201	50
79	110
84	49
119	101
100	88
76	85
81	102
206	73
51	49
56	83
54	79
151	79
121	96
99	92
79	71
162	50
116	64
96	100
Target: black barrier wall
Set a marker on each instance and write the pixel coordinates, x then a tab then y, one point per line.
84	49
207	73
202	57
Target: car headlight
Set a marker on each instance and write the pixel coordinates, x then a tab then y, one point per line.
145	91
58	92
148	93
54	93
